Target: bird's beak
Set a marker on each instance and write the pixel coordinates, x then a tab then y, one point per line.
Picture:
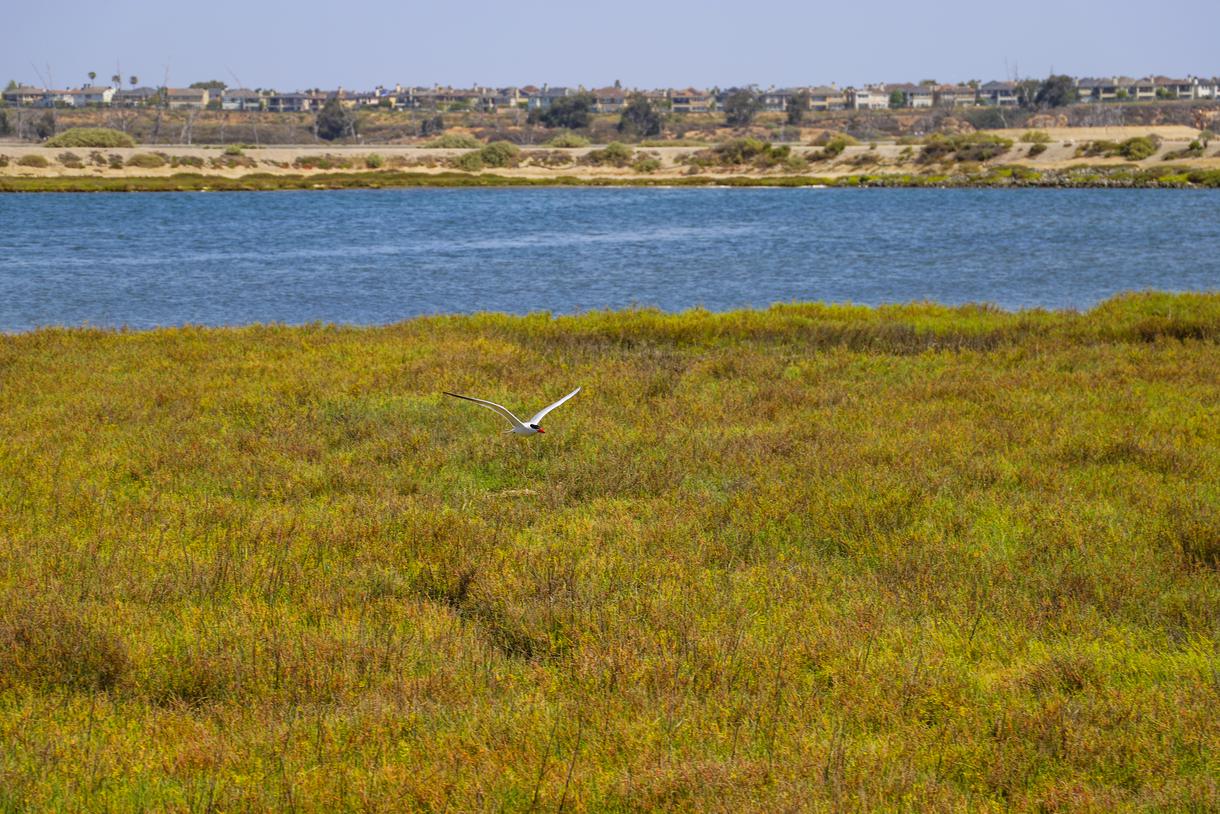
541	431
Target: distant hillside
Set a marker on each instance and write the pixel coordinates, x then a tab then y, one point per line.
152	126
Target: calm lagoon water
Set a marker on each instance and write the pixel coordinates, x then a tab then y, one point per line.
377	256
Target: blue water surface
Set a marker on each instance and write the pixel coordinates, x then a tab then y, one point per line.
378	256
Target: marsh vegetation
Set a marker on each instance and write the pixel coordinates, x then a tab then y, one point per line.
809	557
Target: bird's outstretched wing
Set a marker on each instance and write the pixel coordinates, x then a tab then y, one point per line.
538	416
491	405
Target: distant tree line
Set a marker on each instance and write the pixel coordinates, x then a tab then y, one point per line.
568	112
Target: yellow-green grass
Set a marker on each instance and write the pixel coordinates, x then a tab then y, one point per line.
805	558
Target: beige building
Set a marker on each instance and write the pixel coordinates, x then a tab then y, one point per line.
868	98
186	98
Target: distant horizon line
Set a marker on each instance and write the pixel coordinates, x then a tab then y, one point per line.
125	81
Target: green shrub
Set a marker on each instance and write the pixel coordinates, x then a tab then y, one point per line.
186	161
646	165
500	154
548	158
773	157
470	162
3	161
71	160
1035	137
1036	150
91	137
836	145
228	162
1192	150
966	147
454	141
740	151
796	163
1136	148
33	161
568	140
614	154
744	152
981	147
233	149
828	137
146	161
1139	147
115	161
322	162
373	161
1099	147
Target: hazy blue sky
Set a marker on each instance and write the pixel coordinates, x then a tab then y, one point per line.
360	43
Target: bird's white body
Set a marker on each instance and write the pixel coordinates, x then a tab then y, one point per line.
518	427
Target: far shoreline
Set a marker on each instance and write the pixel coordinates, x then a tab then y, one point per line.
1000	177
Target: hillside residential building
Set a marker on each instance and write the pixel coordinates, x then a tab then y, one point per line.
59	98
691	101
773	100
94	95
609	100
1143	90
186	98
827	97
295	102
954	96
545	97
493	99
868	98
133	97
1176	88
998	94
240	99
24	96
612	100
912	95
1094	89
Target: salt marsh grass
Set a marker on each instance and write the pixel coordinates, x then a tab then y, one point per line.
806	558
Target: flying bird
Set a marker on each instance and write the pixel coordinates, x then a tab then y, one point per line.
518	426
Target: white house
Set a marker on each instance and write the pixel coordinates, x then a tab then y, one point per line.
868	98
94	95
59	98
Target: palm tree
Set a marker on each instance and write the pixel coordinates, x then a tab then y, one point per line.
134	80
116	80
92	76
